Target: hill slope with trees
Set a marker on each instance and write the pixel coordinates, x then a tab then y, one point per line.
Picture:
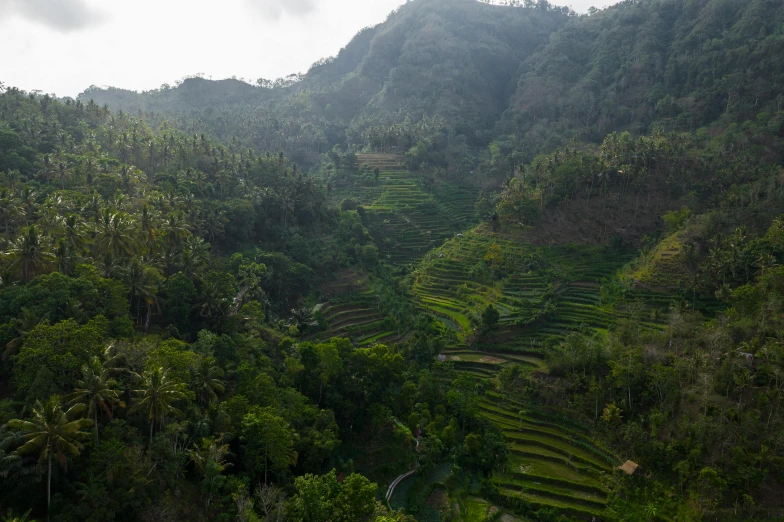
488	253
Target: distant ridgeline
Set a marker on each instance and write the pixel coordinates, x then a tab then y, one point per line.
458	74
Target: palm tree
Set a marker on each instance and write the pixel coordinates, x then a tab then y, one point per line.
115	235
10	210
93	207
212	304
29	253
207	380
209	459
148	228
73	232
96	390
90	164
141	285
24	325
46	167
26	198
63	171
174	231
64	257
210	450
52	431
157	396
195	256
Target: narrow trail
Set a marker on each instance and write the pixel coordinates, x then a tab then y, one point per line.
401	478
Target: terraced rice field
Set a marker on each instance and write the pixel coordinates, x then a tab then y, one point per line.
406	220
541	294
553	462
357	317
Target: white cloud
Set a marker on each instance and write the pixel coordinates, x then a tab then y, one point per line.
275	8
61	15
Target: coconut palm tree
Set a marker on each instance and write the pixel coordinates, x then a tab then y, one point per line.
46	167
93	207
210	450
23	325
207	380
194	257
26	198
148	227
73	233
210	461
141	283
29	253
63	172
174	232
157	396
115	235
52	431
212	304
10	210
96	389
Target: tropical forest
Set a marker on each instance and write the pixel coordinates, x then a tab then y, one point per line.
493	261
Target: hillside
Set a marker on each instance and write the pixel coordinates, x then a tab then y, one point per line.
490	262
454	62
535	77
675	64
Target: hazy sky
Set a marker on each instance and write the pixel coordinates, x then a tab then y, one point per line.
64	46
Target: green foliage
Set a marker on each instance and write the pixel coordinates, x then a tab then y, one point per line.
490	318
51	357
675	219
323	498
269	442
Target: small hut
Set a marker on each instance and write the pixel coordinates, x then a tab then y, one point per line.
628	467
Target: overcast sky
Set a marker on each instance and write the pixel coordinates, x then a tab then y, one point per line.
64	46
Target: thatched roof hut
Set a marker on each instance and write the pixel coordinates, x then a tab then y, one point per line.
628	467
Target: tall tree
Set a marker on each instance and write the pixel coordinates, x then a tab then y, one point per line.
115	234
97	390
30	253
157	396
52	431
269	442
207	380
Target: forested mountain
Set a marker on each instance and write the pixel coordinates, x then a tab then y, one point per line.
677	64
489	262
475	72
432	67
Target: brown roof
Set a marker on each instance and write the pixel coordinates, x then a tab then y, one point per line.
628	467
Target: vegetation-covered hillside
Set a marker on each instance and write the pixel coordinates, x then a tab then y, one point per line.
432	67
446	71
491	262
